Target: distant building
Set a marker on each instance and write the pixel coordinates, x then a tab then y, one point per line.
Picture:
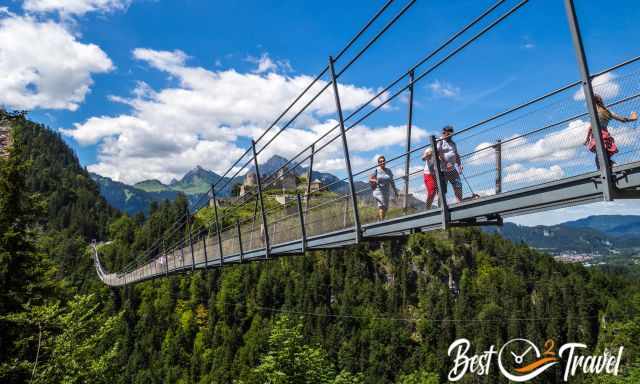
249	184
283	179
316	185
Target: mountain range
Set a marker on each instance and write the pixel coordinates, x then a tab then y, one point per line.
594	235
195	184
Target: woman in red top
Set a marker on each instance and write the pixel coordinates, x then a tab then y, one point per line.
604	117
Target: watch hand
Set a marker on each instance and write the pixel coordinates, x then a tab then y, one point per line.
525	352
514	355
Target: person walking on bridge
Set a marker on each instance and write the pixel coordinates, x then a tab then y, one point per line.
604	117
429	175
449	158
382	182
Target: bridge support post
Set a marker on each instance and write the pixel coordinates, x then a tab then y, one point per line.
204	249
303	230
498	149
262	210
240	240
345	148
440	182
407	162
218	235
166	258
602	156
193	257
309	174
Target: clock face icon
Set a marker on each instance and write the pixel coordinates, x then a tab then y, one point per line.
520	360
521	350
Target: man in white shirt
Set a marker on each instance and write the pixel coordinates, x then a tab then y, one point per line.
449	159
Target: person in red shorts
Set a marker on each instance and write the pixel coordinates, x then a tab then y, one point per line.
429	176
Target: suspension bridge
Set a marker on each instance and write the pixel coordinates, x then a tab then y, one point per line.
528	158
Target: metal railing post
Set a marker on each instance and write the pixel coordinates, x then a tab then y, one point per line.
498	149
303	231
253	224
240	241
407	163
164	268
345	148
193	257
603	158
440	181
215	213
309	174
262	210
345	213
204	249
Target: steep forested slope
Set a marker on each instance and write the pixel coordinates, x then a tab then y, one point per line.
54	326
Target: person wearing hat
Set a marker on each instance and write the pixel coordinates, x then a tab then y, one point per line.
449	159
429	176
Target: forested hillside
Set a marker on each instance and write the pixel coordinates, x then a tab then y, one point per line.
567	238
376	313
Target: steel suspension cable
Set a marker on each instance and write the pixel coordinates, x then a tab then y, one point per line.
395	82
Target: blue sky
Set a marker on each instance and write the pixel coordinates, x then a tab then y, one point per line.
150	89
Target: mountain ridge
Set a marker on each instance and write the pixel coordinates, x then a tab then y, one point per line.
195	184
594	235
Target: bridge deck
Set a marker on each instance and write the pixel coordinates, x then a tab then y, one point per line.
553	195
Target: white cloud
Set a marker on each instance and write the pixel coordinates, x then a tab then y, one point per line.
363	138
527	42
482	154
555	146
264	64
199	121
75	7
45	66
162	60
443	89
518	173
603	85
560	145
337	164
